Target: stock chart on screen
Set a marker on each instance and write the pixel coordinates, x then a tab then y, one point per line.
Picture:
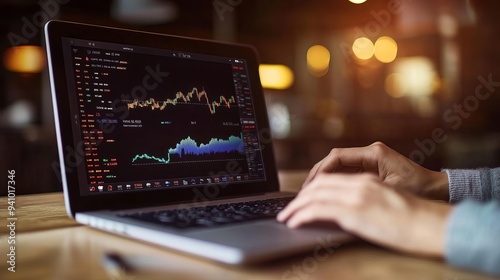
153	118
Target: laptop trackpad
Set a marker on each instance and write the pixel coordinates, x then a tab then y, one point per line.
269	234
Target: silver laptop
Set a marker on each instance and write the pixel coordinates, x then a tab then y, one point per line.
166	139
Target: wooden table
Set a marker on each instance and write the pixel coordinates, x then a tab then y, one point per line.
49	245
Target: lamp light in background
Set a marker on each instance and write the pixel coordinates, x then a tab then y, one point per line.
24	59
276	76
386	49
318	60
418	74
363	48
21	93
357	1
416	78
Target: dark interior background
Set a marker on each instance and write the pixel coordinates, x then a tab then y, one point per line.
445	48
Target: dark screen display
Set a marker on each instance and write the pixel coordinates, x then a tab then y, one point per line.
148	118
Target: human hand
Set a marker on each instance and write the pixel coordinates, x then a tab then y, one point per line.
363	205
395	170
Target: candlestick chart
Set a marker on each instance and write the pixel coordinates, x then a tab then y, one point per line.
193	97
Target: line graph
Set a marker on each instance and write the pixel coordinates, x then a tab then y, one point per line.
189	147
184	98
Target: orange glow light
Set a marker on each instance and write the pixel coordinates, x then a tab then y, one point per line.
24	59
318	60
276	76
386	49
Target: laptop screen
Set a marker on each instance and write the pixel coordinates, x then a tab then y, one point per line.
147	118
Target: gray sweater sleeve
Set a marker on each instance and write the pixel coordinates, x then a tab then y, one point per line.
473	230
473	236
477	184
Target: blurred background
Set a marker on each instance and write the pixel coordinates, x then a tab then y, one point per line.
422	76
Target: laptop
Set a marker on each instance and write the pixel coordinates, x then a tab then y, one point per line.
166	139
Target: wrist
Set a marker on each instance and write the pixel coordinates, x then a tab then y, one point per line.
437	186
430	223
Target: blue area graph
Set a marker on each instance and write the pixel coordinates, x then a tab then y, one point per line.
189	147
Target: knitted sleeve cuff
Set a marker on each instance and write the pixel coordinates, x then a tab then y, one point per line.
464	183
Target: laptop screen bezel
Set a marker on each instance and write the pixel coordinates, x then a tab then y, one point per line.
57	30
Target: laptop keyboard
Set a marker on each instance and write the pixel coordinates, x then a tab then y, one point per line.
216	215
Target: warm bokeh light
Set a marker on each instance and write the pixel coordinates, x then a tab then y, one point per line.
275	76
418	74
24	59
357	1
395	85
363	48
386	49
318	60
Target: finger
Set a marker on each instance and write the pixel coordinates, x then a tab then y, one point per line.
311	174
363	158
343	169
305	198
333	188
319	212
330	188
